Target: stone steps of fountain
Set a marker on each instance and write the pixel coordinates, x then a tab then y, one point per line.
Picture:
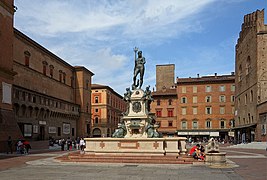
76	157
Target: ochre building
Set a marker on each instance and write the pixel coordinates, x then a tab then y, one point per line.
107	109
251	79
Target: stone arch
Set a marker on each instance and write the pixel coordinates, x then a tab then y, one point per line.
96	132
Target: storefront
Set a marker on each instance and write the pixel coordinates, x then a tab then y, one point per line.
203	136
245	134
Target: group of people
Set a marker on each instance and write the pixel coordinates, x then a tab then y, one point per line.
77	143
22	146
197	152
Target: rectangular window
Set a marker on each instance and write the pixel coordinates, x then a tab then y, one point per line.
158	113
194	89
208	88
195	124
194	110
222	88
222	99
208	110
158	102
208	124
222	124
170	112
246	99
232	98
208	98
233	110
194	99
96	110
183	89
184	125
184	111
170	123
222	110
232	88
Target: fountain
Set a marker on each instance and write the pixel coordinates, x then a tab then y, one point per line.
137	132
213	155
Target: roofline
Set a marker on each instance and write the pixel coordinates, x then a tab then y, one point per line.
165	64
34	43
82	68
98	86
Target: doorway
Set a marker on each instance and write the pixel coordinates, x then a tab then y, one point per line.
42	132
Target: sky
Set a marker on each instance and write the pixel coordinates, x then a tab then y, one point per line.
198	36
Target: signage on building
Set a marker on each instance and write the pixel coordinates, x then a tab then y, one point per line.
214	133
231	133
52	130
42	122
66	128
204	133
182	133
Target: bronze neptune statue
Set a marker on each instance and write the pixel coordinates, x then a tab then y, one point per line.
139	68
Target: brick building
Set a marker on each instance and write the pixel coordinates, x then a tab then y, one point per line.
107	107
165	108
194	107
251	79
42	95
205	106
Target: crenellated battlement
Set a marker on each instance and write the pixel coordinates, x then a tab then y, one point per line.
252	22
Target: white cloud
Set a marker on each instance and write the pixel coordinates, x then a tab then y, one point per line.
100	34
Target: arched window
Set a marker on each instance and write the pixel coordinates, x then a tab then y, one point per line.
183	100
27	56
44	67
96	120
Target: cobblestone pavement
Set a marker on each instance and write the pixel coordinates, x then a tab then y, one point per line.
43	166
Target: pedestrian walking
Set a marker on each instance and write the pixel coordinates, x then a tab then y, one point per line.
9	145
27	146
82	144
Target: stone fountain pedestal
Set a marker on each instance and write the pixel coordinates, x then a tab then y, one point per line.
216	158
213	155
137	133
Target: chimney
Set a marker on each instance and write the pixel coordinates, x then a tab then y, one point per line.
215	74
197	75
